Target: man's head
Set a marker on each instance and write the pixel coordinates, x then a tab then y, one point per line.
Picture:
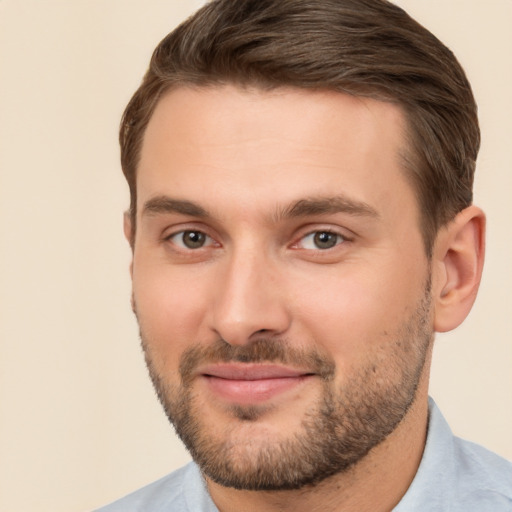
289	163
364	48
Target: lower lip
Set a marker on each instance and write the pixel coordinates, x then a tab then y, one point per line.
252	391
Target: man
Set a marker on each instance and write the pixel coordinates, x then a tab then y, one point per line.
302	224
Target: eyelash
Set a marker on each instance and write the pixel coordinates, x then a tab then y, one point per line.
339	239
209	240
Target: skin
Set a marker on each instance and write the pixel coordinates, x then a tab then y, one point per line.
245	159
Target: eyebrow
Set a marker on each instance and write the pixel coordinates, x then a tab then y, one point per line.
328	205
301	208
165	204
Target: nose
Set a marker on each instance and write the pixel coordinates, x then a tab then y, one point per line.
250	300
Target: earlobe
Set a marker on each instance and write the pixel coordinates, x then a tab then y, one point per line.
458	263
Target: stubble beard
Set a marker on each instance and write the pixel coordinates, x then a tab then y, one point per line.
336	432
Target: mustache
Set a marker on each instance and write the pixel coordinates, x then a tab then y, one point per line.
257	351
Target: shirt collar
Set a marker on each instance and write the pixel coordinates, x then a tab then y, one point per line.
431	487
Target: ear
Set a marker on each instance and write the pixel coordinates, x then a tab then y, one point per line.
458	260
127	227
128	233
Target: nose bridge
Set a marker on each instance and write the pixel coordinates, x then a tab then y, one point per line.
249	299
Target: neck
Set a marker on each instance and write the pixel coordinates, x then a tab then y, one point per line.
375	484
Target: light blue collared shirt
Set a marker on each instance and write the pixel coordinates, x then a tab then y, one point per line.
454	476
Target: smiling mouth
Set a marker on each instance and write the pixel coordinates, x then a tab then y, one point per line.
246	384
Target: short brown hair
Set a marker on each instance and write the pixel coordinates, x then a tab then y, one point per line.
366	48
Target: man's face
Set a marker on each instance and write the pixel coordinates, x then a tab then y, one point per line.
280	279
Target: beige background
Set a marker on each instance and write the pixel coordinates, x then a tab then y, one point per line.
79	425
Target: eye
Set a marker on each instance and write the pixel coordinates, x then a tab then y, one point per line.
321	240
191	239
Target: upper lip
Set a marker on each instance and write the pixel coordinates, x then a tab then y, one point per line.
250	371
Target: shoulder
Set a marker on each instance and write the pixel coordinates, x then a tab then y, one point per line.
457	475
183	490
482	475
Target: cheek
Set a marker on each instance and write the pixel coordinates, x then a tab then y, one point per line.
170	310
353	315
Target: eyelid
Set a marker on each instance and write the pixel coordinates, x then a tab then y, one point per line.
174	231
345	234
181	245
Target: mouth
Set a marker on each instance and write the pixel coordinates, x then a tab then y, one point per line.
246	384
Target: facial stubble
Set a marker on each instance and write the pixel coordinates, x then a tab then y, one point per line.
336	431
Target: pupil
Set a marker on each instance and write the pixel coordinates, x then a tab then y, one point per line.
193	239
324	240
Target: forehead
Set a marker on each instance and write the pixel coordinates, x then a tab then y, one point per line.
230	144
231	113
